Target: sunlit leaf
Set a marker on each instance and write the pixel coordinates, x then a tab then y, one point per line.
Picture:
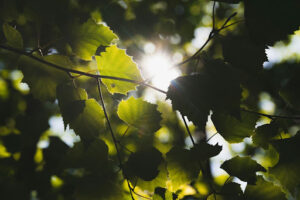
235	130
243	167
115	62
13	36
263	190
140	114
88	37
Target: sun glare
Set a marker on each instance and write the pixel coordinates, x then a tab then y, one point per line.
157	67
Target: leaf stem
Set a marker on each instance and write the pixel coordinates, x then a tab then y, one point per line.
188	130
113	135
77	71
271	116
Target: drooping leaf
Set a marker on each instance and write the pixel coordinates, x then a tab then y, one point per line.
243	167
13	36
203	151
287	168
263	190
163	194
182	167
41	78
242	53
140	114
235	130
88	37
269	21
83	115
144	164
195	95
115	62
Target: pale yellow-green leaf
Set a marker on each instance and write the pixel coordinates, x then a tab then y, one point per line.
115	62
140	114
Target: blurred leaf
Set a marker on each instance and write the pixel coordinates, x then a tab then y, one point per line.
88	37
263	190
13	36
232	129
163	194
287	168
41	78
243	167
140	114
115	62
229	1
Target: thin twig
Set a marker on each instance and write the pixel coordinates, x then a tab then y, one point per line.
188	130
211	137
214	17
113	135
79	72
271	116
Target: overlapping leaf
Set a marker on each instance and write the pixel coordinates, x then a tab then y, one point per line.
115	62
287	168
83	115
195	95
243	167
265	133
163	194
88	37
140	114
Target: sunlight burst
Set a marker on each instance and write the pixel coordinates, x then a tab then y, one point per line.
158	68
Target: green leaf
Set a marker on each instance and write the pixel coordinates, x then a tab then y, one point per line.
88	37
13	36
229	191
287	168
243	167
41	78
289	91
229	1
203	151
195	95
242	53
269	21
163	194
182	167
83	115
140	114
234	130
263	190
115	62
264	134
144	164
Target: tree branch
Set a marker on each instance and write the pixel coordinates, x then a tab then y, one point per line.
271	116
78	72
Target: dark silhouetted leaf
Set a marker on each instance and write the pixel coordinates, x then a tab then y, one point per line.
264	134
243	167
144	164
203	151
163	194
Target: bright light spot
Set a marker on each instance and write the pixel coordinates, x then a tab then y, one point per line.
201	35
158	68
149	48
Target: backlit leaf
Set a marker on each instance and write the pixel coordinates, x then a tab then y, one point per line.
163	194
243	167
232	129
140	114
115	62
88	37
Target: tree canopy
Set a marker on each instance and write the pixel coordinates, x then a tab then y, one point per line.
82	61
